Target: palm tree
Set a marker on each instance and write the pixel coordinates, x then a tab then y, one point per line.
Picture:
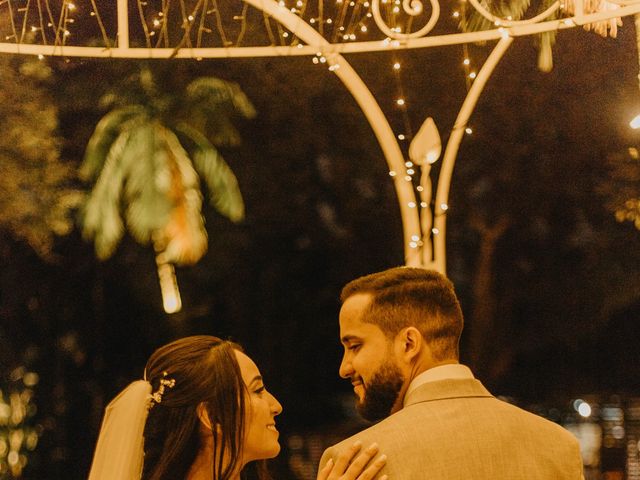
147	157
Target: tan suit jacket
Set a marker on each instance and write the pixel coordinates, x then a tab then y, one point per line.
456	430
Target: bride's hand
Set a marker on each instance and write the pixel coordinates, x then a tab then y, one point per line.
346	469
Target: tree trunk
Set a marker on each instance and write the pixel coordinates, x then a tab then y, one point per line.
481	328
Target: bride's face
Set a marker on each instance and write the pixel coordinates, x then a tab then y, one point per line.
261	435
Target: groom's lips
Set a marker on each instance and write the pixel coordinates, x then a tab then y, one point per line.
356	384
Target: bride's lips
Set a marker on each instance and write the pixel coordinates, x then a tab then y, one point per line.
272	426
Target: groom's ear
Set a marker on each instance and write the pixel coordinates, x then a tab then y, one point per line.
410	343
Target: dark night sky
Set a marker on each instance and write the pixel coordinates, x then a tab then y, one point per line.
566	276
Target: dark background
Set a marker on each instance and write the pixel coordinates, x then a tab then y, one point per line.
548	279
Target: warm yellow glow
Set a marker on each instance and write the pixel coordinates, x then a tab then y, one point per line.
171	300
584	409
433	155
635	123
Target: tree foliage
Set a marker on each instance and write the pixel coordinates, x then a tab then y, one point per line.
621	185
37	192
148	155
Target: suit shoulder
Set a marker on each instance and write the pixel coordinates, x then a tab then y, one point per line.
540	423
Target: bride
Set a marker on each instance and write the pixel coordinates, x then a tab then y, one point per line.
202	412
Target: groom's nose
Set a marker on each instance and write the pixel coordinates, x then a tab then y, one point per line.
346	369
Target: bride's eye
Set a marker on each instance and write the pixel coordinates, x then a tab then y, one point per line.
260	390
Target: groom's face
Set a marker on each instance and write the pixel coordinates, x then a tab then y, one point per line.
369	361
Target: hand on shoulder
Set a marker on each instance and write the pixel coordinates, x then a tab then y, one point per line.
351	465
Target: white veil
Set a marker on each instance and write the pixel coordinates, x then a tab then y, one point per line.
120	448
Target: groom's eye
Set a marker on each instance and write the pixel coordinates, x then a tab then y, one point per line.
355	347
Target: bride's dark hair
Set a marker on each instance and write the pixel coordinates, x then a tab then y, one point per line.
206	372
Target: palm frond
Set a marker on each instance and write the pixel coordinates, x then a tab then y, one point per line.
105	134
146	188
212	93
100	216
184	233
221	132
515	10
474	21
545	42
222	184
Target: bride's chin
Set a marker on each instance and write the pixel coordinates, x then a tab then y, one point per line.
276	451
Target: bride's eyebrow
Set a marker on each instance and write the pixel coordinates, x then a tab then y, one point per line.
256	379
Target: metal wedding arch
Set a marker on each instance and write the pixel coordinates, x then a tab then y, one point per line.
423	217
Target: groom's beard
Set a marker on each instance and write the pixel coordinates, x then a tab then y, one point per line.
381	393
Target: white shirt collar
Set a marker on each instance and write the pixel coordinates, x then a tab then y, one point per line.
442	372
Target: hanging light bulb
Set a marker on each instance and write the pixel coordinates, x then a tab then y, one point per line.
635	123
171	300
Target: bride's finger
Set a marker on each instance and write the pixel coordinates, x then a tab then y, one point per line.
373	469
358	465
323	474
333	470
344	459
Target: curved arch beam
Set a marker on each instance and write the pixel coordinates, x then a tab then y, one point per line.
451	152
318	45
629	8
371	110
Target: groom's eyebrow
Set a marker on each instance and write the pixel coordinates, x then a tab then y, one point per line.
350	338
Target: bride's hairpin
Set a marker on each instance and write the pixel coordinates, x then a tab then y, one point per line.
156	397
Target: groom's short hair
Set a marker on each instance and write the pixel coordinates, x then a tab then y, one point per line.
408	296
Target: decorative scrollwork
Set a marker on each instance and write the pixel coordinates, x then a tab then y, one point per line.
412	8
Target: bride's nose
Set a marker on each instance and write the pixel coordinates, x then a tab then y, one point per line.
276	408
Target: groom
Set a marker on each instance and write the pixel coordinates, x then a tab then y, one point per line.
400	330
